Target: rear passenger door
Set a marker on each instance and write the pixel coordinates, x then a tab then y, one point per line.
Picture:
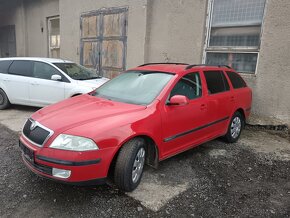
42	90
17	80
220	101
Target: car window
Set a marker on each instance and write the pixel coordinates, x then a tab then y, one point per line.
76	71
135	87
236	80
44	71
216	82
189	86
4	65
22	68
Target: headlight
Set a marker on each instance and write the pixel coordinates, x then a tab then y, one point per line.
73	143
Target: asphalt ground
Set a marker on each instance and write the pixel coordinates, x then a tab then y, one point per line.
250	178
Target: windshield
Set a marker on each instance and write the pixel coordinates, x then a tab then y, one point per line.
135	87
76	71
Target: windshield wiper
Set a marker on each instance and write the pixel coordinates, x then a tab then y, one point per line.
95	77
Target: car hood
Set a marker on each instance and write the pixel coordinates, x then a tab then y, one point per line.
81	110
93	83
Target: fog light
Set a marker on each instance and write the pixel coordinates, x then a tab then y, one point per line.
64	174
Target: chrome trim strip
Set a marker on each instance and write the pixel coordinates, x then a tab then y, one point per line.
51	132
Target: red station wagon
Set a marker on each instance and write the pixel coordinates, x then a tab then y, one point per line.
144	115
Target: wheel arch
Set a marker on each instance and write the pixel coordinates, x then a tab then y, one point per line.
152	157
242	112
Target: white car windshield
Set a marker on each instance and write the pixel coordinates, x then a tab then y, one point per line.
76	71
135	87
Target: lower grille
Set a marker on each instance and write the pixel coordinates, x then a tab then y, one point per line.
39	167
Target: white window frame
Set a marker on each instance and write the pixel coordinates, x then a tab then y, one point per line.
230	49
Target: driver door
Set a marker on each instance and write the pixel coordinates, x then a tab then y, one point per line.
42	90
182	124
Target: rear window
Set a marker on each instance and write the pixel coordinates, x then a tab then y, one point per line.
236	80
216	82
22	68
4	65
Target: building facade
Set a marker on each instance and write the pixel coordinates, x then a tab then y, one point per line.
252	36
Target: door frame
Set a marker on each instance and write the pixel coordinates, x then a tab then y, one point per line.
5	29
48	23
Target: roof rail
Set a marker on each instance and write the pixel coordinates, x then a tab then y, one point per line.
198	65
161	63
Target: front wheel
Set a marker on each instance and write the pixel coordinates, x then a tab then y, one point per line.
129	165
235	128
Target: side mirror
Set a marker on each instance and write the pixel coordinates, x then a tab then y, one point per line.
178	100
56	77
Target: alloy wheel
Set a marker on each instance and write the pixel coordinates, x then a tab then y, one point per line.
138	165
236	127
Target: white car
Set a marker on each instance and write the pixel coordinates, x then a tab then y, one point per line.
43	81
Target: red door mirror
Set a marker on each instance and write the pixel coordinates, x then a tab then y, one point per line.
178	100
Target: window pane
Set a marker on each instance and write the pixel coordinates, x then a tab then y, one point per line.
136	87
241	62
215	82
189	86
4	66
23	68
235	36
54	33
237	12
226	84
236	80
44	71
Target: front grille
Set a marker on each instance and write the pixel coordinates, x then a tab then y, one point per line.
38	134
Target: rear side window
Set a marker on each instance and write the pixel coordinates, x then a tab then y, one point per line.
236	80
22	68
216	82
4	65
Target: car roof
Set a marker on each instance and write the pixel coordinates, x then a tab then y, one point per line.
179	68
47	60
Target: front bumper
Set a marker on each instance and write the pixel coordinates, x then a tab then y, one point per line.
86	168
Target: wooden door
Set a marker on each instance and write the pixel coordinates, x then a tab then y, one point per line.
103	41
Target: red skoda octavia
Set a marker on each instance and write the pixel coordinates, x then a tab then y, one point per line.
145	115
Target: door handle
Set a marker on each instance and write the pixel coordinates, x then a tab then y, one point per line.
34	83
203	107
232	98
6	79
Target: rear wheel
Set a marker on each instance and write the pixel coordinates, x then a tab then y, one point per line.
4	101
235	128
129	165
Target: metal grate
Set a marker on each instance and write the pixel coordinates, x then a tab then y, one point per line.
237	12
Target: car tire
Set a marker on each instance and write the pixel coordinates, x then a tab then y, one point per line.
235	128
4	101
129	165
